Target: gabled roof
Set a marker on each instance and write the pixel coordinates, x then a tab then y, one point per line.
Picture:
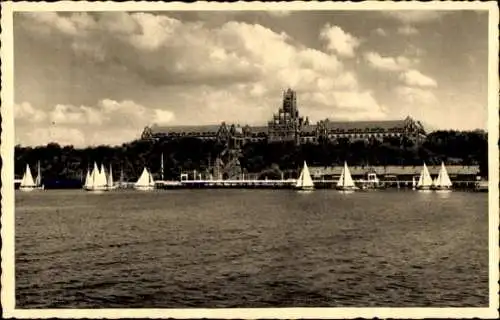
345	125
257	129
212	128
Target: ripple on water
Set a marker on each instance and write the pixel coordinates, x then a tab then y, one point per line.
250	248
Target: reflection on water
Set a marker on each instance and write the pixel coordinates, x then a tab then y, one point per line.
251	248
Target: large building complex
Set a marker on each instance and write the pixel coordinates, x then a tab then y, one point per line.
288	125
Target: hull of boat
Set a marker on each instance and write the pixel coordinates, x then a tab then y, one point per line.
96	190
347	188
29	189
144	188
442	189
424	188
304	189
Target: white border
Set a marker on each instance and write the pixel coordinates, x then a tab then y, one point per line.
7	153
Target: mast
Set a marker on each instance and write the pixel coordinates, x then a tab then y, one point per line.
425	179
443	180
110	180
122	178
39	174
27	180
162	168
305	179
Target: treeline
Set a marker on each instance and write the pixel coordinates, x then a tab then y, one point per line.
187	154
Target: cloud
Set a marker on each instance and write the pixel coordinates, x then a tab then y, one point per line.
407	30
414	16
26	112
379	62
416	96
209	73
420	103
343	105
416	78
115	122
339	41
43	135
279	13
380	32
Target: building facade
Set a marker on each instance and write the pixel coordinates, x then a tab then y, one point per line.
288	125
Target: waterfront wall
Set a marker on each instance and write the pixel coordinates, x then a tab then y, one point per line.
454	171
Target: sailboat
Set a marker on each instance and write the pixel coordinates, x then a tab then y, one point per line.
111	185
27	182
304	182
145	181
425	180
345	182
442	182
96	181
87	179
38	180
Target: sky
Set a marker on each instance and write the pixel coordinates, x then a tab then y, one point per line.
92	78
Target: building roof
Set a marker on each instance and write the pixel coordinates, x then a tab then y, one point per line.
347	125
394	170
311	128
257	129
212	128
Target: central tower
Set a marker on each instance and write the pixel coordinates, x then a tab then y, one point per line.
286	124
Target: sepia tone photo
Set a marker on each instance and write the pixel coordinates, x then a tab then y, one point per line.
250	160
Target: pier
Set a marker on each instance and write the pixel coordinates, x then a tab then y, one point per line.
288	184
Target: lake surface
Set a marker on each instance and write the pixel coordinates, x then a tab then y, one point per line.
251	248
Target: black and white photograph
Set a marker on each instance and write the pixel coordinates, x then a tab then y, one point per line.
250	160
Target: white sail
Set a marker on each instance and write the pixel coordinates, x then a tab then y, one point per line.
299	180
443	180
27	180
144	179
305	179
100	179
38	180
151	180
110	177
340	182
87	179
345	178
425	179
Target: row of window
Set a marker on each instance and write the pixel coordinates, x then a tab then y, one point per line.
282	134
372	130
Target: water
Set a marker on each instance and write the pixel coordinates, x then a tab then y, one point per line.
251	248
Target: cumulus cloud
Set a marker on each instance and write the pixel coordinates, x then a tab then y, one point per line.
43	135
115	122
339	41
343	105
416	78
387	63
279	13
416	96
25	111
420	103
380	32
230	69
415	16
407	30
